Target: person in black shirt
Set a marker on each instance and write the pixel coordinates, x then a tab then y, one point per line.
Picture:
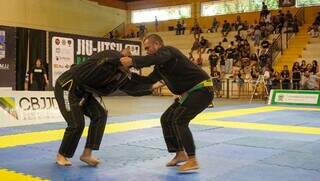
38	77
296	76
213	59
285	77
303	66
100	75
183	78
315	67
219	49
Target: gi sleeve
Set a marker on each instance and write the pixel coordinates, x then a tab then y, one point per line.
161	56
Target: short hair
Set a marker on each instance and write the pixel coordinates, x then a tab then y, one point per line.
154	38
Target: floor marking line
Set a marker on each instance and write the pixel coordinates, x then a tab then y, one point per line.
205	119
6	174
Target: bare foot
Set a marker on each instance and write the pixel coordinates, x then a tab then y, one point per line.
62	161
180	157
90	160
190	166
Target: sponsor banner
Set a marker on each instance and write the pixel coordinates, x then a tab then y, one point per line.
295	97
24	107
7	56
68	49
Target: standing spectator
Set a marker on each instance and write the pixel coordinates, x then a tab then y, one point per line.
178	28
315	67
222	65
156	24
213	60
38	76
219	49
196	29
296	76
285	77
264	10
184	26
303	66
230	57
275	79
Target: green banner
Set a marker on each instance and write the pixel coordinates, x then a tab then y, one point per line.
295	97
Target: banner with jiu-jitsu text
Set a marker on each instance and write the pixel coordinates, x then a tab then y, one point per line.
68	49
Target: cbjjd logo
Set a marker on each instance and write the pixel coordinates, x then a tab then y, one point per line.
8	104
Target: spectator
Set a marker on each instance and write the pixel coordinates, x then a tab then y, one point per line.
303	66
264	10
204	44
196	29
214	26
142	31
285	77
275	79
310	81
178	28
213	59
254	73
296	76
222	65
219	49
38	76
216	79
225	28
230	57
315	67
156	23
309	68
184	26
257	36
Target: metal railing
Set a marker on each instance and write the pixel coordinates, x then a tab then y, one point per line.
300	16
275	48
117	32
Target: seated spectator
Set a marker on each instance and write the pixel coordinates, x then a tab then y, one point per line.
296	76
204	44
226	28
196	30
314	30
257	36
310	81
289	16
309	68
255	72
254	59
214	26
285	77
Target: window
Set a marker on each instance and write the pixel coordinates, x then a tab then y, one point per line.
300	3
162	14
234	6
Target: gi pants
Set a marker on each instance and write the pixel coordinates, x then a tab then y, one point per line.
175	120
68	101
